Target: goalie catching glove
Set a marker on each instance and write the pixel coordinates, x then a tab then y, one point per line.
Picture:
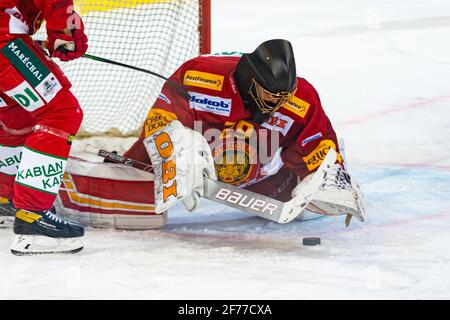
181	158
338	195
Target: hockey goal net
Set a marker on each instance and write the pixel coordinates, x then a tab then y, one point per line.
157	35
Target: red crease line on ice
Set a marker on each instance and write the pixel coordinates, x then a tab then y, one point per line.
408	165
412	220
409	106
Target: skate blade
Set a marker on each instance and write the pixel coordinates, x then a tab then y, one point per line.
36	245
6	222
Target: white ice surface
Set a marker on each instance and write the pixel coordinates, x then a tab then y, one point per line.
382	69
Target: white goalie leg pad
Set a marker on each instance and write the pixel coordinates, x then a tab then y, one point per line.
31	244
108	195
181	158
339	195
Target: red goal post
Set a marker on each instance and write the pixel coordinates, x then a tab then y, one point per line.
205	26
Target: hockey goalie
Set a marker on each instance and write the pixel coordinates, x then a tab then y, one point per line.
250	123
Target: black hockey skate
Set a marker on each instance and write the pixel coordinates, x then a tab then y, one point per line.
7	213
45	233
6	208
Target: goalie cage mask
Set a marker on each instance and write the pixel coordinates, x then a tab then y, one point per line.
267	78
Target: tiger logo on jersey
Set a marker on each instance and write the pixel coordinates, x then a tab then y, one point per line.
236	162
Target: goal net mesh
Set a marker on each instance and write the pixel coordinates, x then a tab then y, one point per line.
153	35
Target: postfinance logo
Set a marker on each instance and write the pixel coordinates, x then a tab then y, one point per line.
297	106
203	80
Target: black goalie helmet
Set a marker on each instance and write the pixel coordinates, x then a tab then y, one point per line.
267	78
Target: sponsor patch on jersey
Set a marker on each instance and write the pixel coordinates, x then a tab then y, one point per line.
211	104
156	120
297	106
10	159
203	80
41	171
32	69
164	98
26	62
315	158
49	88
311	138
3	103
279	122
26	97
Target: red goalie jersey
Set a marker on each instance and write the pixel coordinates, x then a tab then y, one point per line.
304	132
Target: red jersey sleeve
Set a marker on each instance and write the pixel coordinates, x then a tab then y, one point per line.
316	137
56	13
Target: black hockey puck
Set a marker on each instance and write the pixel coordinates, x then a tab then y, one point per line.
312	241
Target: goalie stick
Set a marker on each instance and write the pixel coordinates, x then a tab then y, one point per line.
70	47
251	202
